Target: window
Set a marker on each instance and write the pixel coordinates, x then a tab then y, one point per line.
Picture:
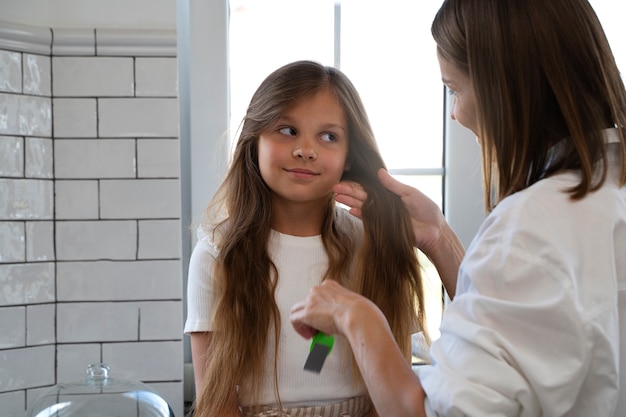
387	51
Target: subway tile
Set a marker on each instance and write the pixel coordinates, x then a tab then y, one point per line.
123	280
138	117
158	158
39	241
26	199
93	77
74	359
38	158
148	361
13	325
22	115
11	71
139	199
75	118
156	77
159	239
26	368
12	404
75	42
34	394
171	392
28	283
11	156
40	324
83	240
12	242
76	200
37	75
97	322
161	320
94	158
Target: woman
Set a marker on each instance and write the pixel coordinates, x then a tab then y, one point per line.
539	306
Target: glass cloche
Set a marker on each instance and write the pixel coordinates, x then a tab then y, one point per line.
100	396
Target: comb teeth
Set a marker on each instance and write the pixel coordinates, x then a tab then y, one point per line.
316	358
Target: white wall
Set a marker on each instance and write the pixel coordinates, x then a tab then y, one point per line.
88	14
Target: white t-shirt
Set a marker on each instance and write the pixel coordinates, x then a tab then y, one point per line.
540	309
301	263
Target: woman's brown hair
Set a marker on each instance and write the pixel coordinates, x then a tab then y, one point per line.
543	74
385	269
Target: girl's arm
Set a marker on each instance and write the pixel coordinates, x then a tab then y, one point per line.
200	347
393	387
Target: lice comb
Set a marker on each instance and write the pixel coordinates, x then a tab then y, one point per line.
321	345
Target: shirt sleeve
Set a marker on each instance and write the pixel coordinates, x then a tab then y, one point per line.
513	343
200	300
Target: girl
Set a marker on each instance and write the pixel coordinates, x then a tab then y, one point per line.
538	320
273	231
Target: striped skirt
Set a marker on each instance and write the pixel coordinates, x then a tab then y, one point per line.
353	407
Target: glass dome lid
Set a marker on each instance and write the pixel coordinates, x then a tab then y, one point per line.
100	396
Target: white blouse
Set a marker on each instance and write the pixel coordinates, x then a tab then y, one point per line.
540	309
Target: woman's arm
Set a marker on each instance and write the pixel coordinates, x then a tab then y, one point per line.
393	387
433	235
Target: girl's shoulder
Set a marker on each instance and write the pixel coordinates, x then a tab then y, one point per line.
208	239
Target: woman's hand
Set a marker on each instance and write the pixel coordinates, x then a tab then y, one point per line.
428	220
433	235
326	309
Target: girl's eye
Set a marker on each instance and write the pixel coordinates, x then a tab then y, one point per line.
289	131
329	137
452	92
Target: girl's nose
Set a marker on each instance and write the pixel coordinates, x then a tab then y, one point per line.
304	150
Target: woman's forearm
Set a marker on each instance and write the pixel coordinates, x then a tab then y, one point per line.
446	254
394	388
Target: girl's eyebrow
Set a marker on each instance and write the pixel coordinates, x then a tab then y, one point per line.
287	119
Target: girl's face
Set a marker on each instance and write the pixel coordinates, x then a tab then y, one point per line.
460	86
304	154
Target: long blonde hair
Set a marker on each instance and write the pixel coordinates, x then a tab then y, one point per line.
542	71
246	313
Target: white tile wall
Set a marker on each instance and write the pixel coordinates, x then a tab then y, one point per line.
75	118
13	325
11	156
36	75
25	115
90	244
158	158
93	77
12	242
132	117
84	240
101	280
94	158
26	283
40	241
76	200
140	199
10	71
40	324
